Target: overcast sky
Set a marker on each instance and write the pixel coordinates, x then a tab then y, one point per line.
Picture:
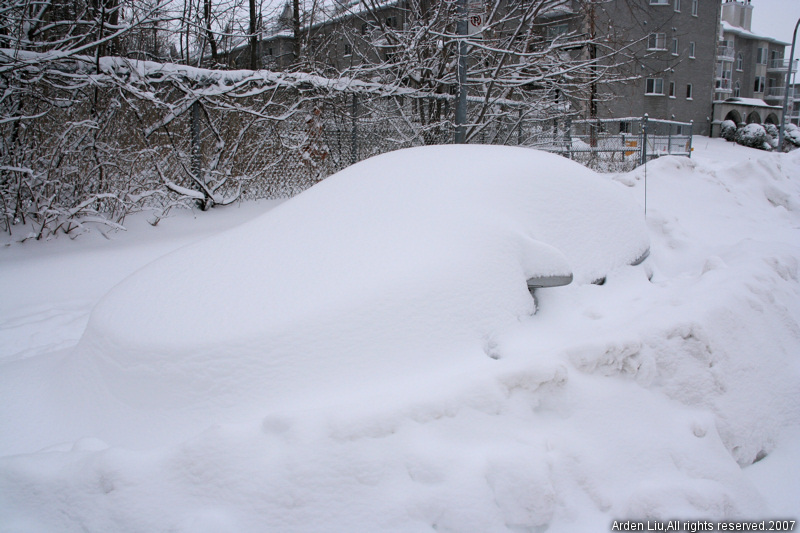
776	18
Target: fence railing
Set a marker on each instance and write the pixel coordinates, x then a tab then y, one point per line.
622	144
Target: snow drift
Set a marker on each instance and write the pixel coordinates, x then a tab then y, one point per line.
395	268
670	392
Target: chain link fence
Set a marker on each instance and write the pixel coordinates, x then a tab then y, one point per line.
620	144
146	136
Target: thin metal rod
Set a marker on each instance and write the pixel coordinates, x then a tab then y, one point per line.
786	89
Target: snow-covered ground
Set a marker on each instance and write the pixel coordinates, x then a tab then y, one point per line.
672	391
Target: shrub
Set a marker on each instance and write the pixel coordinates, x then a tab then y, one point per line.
754	136
772	134
791	136
728	130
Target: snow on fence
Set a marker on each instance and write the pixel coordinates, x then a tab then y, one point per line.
88	141
621	144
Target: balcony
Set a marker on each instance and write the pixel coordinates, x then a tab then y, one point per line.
780	65
776	93
722	85
726	53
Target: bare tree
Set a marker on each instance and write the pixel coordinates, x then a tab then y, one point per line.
544	54
53	166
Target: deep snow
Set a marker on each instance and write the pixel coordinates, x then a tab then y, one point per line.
401	267
648	397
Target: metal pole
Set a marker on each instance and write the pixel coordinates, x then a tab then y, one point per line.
354	132
461	105
644	139
786	89
568	137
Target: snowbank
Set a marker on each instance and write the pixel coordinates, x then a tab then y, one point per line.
669	392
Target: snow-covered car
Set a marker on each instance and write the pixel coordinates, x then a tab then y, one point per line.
399	266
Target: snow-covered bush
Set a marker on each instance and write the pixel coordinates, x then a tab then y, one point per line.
791	137
728	130
754	136
772	135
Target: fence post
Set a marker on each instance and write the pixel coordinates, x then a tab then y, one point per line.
691	128
519	128
354	131
669	139
194	124
644	139
568	137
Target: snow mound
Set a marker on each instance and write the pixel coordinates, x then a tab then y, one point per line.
399	266
670	392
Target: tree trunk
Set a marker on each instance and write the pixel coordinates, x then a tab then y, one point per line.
210	34
296	29
253	37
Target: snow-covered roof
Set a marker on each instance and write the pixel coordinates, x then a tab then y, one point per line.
751	102
727	27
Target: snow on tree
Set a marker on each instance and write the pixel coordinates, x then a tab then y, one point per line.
792	135
754	136
728	130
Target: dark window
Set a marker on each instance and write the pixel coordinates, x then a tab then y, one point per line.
657	41
654	86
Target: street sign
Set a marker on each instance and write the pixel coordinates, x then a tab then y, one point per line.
476	16
475	24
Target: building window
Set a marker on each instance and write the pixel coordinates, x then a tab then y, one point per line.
672	89
654	86
657	41
674	46
758	87
691	50
348	49
364	28
688	91
739	62
556	30
391	22
737	90
678	6
659	2
761	56
694	8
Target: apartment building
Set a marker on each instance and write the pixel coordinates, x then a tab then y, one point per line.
685	60
750	76
673	44
793	105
